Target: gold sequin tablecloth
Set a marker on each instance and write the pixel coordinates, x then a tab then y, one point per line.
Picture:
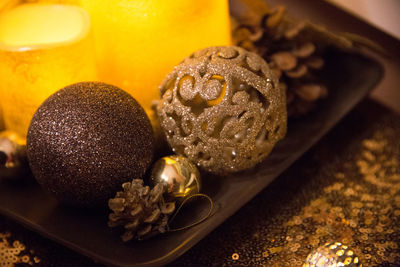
346	189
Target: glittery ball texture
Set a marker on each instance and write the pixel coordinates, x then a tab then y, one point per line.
223	109
86	140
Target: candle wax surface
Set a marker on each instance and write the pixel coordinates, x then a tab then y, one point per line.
40	24
43	48
138	42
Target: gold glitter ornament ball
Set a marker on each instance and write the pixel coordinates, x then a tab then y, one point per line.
332	254
87	139
223	109
181	177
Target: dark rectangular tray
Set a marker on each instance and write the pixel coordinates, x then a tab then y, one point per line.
349	78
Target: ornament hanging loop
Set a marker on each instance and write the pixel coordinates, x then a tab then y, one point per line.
211	208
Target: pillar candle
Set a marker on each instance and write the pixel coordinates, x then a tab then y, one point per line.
138	42
43	48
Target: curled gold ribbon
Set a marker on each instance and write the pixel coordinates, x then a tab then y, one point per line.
211	202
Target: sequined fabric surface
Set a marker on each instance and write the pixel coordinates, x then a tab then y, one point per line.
346	189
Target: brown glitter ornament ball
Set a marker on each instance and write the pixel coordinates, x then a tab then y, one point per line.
86	140
223	109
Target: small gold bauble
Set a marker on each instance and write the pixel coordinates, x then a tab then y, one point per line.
181	177
223	109
332	254
13	161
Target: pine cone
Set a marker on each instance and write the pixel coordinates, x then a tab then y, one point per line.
293	48
142	212
292	55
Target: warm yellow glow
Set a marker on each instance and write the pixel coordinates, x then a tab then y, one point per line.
221	95
138	42
169	161
13	137
47	24
34	64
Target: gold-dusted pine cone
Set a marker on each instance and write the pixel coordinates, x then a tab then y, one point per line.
142	211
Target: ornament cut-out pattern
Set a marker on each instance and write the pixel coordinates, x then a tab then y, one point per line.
222	108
